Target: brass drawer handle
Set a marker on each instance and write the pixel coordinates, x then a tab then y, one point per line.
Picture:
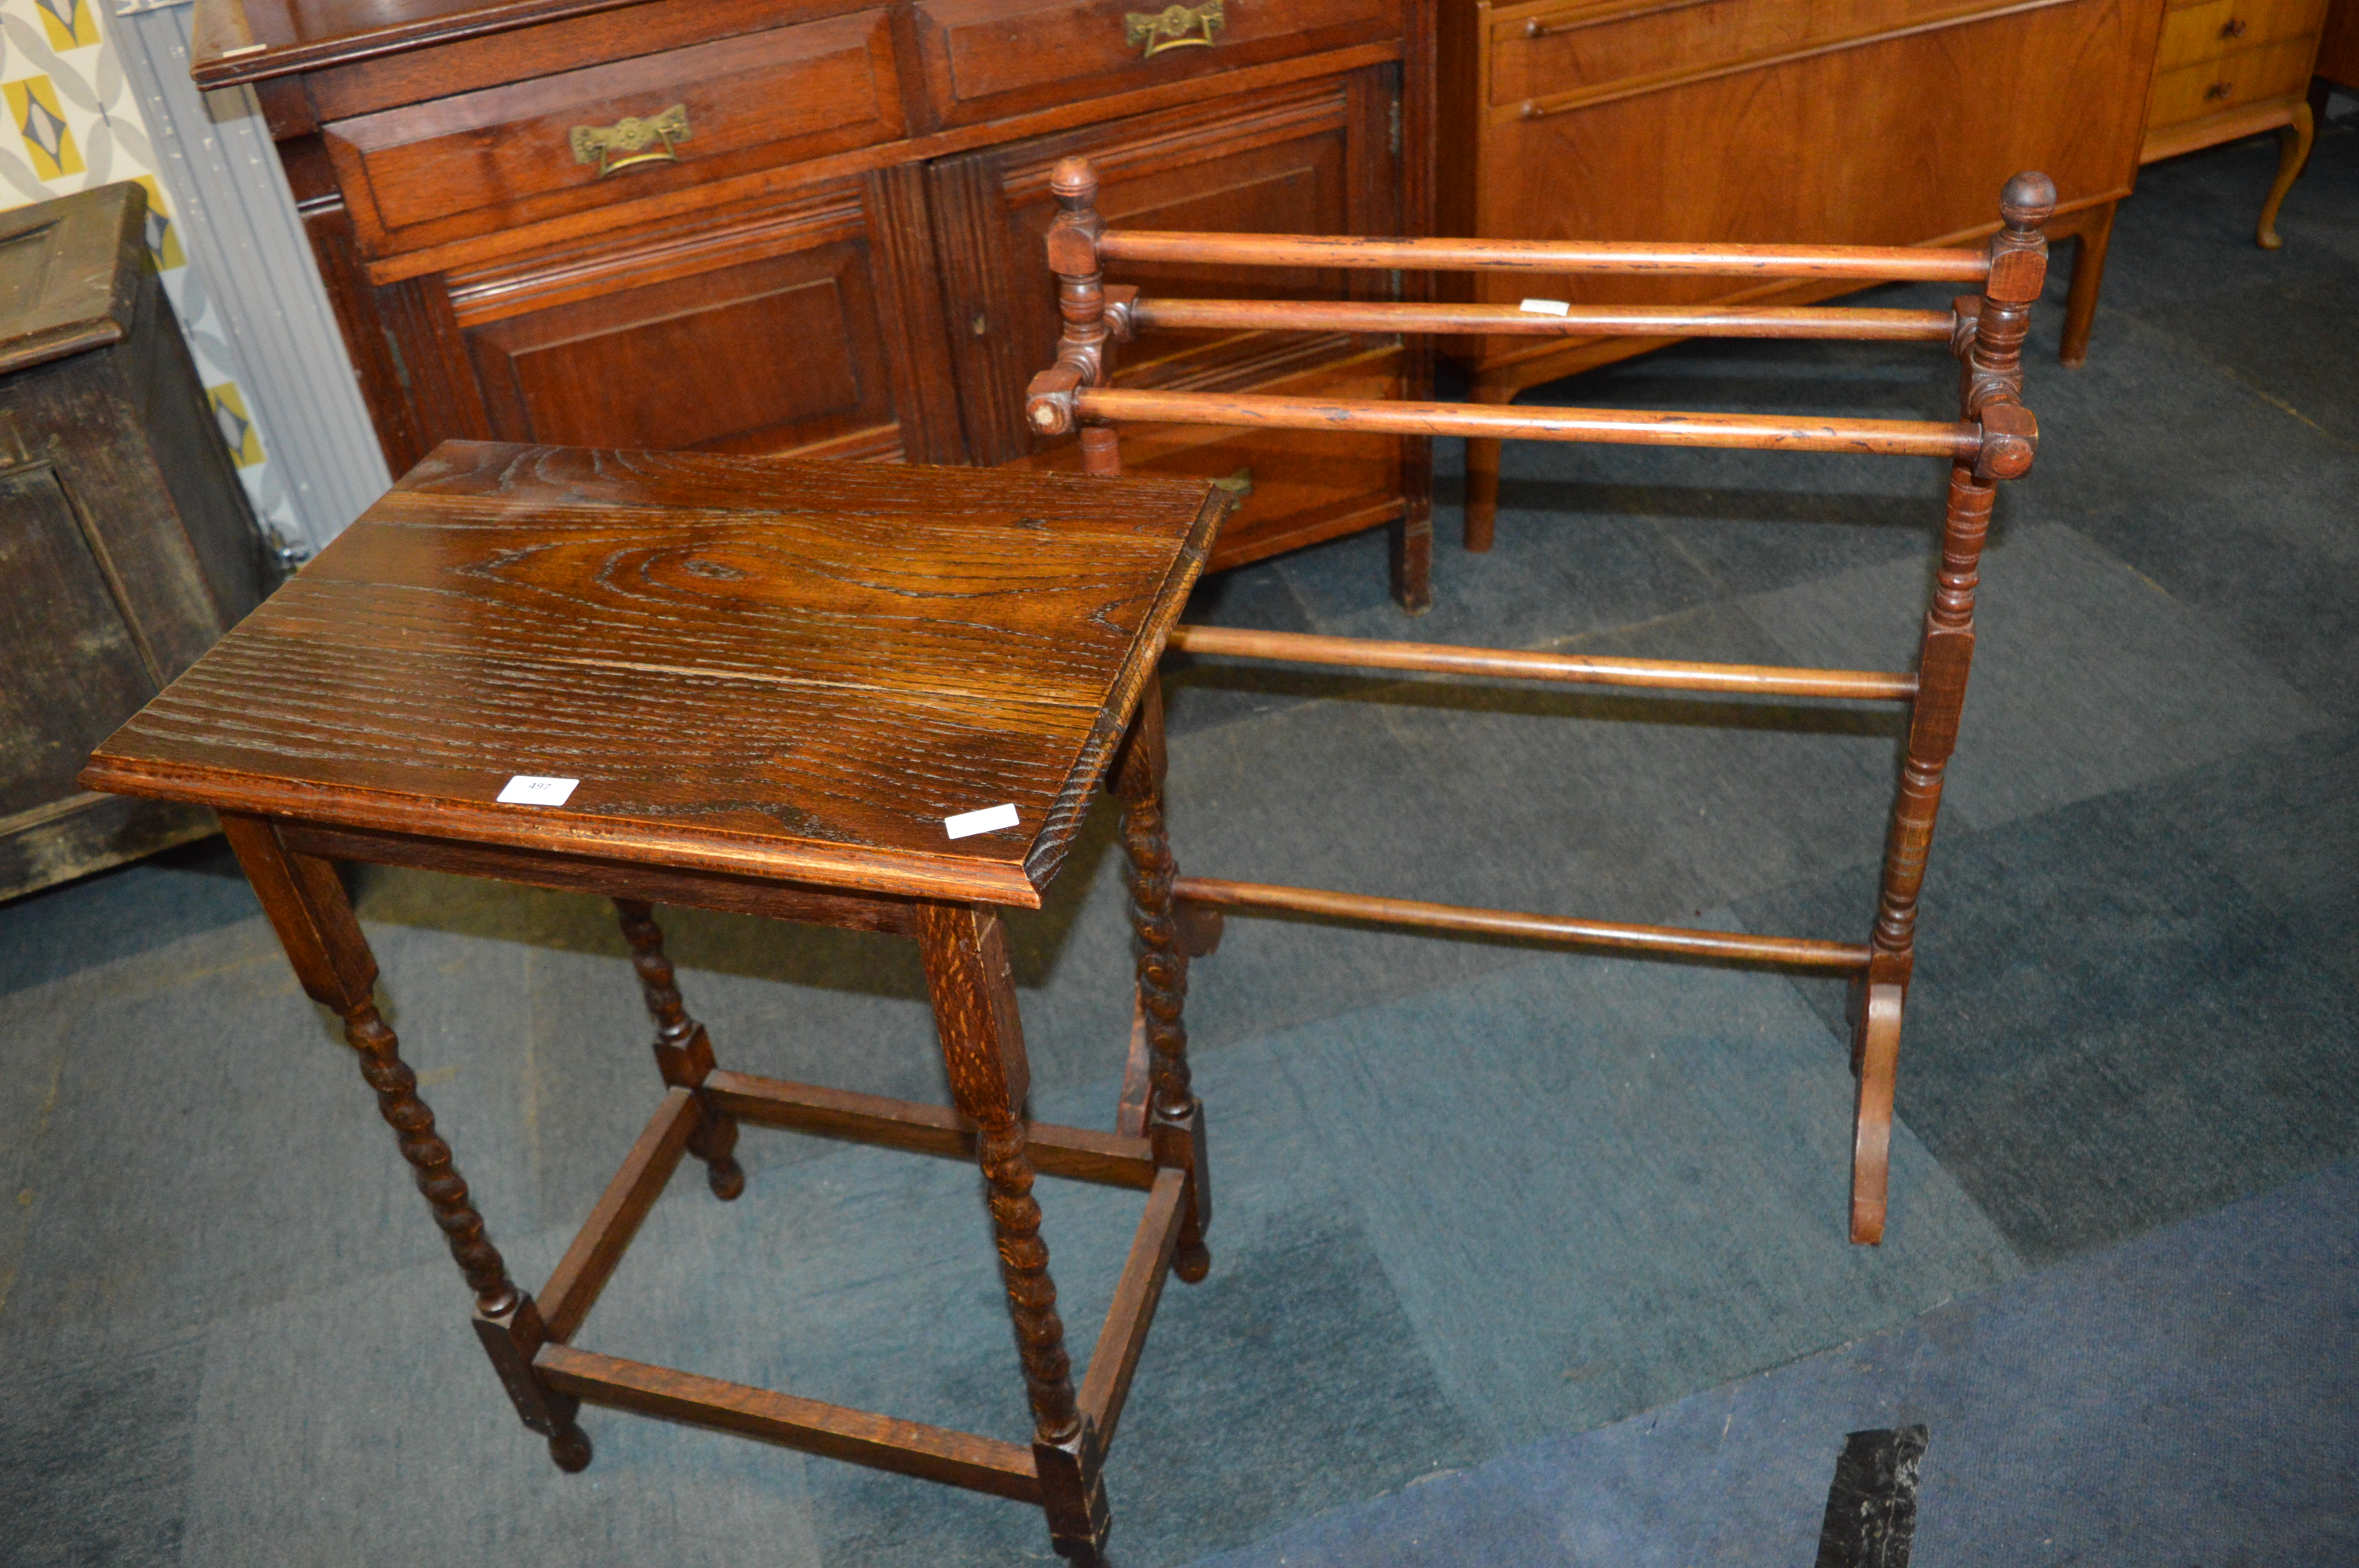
1175	27
2234	28
639	141
2216	90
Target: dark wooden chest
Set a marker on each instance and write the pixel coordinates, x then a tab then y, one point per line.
127	542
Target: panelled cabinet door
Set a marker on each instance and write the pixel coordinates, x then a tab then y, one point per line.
810	326
1316	157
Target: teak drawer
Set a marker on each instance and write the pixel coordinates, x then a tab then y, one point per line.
477	162
2213	28
985	59
1549	57
2215	86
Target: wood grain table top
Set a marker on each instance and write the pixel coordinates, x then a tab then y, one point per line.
787	670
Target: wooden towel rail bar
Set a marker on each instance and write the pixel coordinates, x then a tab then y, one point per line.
1876	263
1601	935
1553	319
1617	427
1574	669
1993	438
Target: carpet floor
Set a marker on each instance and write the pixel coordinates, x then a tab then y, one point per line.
2183	1397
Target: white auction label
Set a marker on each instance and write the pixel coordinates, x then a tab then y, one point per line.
526	790
989	819
1546	306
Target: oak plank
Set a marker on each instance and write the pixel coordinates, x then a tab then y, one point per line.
589	1262
1107	1386
1109	1159
911	1448
785	670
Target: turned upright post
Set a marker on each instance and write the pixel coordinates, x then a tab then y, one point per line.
1175	1117
310	911
1081	307
1989	345
683	1050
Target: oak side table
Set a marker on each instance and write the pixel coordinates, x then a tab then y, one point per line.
766	686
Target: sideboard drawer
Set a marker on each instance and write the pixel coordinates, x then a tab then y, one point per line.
2214	87
1557	56
477	162
2213	28
985	59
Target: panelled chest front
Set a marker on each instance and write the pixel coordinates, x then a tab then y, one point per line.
126	543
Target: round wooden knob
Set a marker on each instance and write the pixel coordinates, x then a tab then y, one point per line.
2028	199
1073	180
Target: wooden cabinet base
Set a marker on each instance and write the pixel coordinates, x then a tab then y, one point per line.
86	833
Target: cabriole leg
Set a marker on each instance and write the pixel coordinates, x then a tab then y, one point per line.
314	920
2293	151
683	1052
974	994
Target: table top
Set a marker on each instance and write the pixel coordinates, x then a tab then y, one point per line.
790	670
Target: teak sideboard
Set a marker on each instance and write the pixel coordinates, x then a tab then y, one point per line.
813	226
2227	69
1822	122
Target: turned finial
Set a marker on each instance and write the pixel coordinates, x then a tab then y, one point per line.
2026	203
1075	183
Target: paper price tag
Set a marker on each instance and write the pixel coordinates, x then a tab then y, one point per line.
990	819
527	790
1546	306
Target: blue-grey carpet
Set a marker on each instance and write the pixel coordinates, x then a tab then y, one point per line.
2182	1399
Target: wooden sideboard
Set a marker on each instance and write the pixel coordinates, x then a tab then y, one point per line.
812	226
1854	122
2230	68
